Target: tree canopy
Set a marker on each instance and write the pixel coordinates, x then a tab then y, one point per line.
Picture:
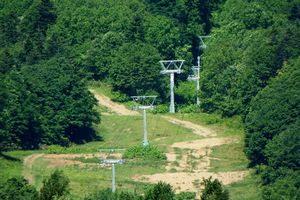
250	67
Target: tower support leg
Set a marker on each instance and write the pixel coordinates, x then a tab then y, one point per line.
113	187
172	104
145	142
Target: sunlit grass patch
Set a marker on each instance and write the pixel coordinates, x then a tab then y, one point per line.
247	189
228	157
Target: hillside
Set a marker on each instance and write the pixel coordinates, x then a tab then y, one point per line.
191	149
60	59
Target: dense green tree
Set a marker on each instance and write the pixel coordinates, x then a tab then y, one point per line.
8	28
162	33
12	117
46	104
284	149
285	187
213	190
17	189
207	7
33	27
135	69
66	106
249	45
272	111
4	135
165	7
98	60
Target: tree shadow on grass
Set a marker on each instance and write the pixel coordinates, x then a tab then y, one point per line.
10	158
81	135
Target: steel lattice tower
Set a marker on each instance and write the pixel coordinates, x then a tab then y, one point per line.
171	67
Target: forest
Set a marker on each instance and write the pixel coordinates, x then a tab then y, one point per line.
51	50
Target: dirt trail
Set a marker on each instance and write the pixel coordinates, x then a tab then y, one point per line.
115	107
197	129
62	160
188	162
27	166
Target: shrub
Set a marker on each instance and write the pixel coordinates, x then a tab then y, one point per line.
213	190
161	108
119	97
144	152
17	189
186	196
160	191
56	149
193	108
129	196
107	194
55	187
186	92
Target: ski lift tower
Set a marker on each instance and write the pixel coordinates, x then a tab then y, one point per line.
171	67
196	77
203	45
146	102
196	69
112	163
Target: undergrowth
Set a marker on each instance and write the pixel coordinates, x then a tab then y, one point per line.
144	152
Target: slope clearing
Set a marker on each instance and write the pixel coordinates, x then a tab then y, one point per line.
189	147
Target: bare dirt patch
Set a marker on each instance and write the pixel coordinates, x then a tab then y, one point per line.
114	107
203	143
195	154
187	172
191	163
61	160
185	181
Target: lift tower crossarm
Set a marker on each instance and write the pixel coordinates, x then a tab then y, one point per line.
203	45
171	67
112	163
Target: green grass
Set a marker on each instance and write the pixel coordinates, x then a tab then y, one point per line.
127	131
11	163
228	157
101	87
86	180
122	132
178	152
87	160
248	189
119	132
